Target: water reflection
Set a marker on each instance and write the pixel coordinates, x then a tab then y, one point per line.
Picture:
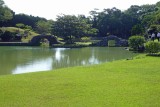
58	55
34	66
14	60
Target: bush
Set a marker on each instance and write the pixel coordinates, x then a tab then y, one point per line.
152	47
6	36
17	38
111	43
136	41
85	39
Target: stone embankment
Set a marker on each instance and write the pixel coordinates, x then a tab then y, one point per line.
14	44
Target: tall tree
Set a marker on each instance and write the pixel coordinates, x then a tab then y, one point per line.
43	27
1	2
113	22
137	30
69	26
5	12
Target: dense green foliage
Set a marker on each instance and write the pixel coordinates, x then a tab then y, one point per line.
113	22
137	30
22	26
25	19
129	83
6	36
44	27
136	42
152	47
70	26
5	12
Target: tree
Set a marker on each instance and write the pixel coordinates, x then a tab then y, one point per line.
43	27
154	29
26	20
1	2
113	22
5	12
106	21
137	30
94	17
69	26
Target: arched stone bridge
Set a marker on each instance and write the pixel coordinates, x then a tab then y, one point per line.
35	41
118	41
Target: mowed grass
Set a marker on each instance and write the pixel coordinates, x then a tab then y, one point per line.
126	83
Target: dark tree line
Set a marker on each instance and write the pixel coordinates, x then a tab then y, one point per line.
113	22
24	19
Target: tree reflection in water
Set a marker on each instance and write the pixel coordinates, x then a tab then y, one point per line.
15	60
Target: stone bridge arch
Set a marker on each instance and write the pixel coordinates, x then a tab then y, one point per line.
35	41
118	41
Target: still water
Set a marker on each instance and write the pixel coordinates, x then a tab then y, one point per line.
15	60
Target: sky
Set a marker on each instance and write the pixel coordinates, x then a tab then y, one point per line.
49	9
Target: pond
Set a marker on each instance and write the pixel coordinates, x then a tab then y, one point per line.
16	60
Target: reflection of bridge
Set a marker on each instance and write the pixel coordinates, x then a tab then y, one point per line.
35	41
118	41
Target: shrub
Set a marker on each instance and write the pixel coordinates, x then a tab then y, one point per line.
85	39
6	36
136	41
111	43
152	47
17	38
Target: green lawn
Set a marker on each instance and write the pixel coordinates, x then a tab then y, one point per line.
126	83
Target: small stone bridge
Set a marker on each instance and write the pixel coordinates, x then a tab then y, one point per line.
118	41
35	41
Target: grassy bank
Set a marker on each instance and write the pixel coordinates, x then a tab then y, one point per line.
127	83
14	29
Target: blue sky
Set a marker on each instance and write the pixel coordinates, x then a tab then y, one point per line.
51	8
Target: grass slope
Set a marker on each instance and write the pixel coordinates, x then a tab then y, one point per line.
15	29
128	83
